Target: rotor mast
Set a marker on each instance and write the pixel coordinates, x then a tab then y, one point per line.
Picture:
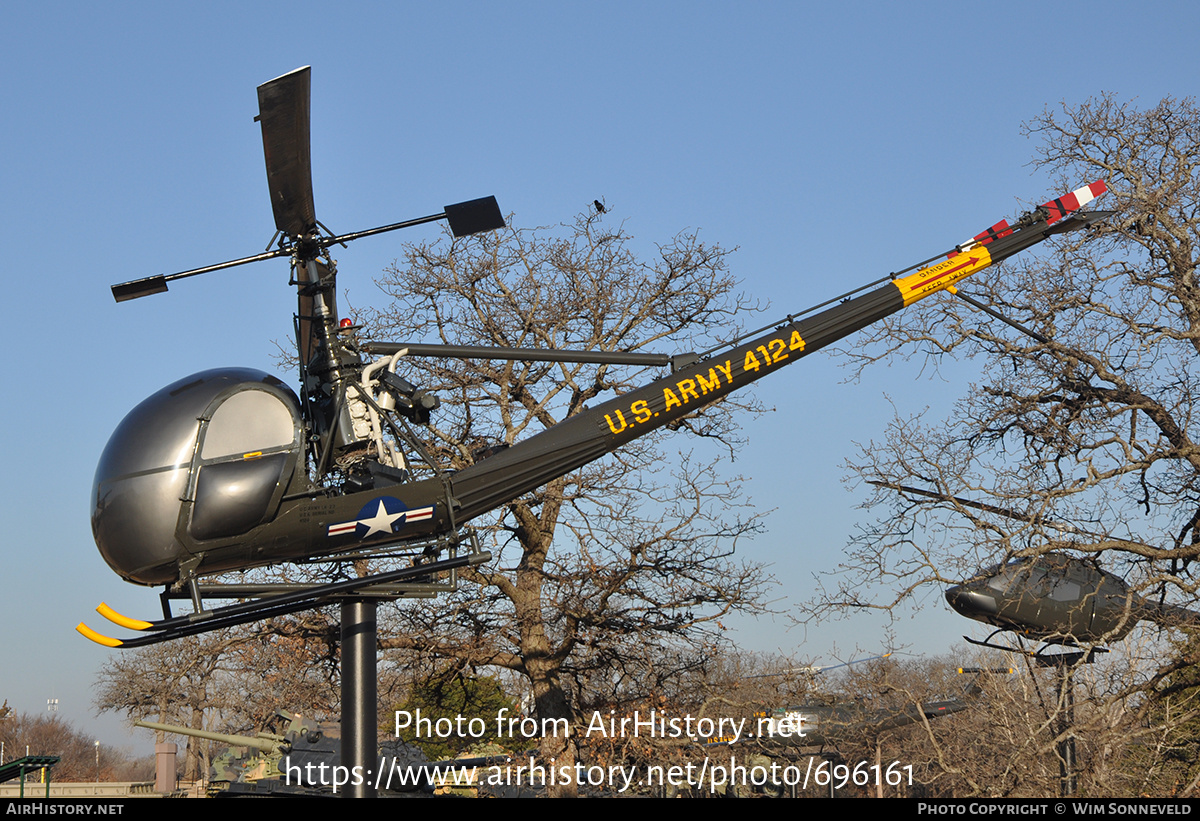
284	115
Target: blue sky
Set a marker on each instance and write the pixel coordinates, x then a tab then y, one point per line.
829	143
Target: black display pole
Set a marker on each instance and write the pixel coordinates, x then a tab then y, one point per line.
359	686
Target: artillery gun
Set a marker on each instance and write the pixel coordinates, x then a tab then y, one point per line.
256	758
303	760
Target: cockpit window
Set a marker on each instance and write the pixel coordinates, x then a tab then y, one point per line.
1011	578
1062	586
1066	590
248	421
1038	580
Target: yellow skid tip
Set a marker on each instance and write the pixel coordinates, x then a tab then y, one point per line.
123	621
96	637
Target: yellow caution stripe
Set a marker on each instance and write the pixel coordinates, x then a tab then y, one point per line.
941	276
96	637
123	621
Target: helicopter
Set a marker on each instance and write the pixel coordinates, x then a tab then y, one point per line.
819	724
1065	602
818	727
815	725
230	469
1059	599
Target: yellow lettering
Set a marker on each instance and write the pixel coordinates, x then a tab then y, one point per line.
778	350
613	427
641	410
672	399
751	363
711	384
796	344
687	388
727	369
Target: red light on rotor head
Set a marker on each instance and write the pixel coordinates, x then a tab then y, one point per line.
345	323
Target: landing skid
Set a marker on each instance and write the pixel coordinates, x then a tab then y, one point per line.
271	600
1040	656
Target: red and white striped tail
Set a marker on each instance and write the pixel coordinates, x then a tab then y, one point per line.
1078	198
985	236
1058	209
998	230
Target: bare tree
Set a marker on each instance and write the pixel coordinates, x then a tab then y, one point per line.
1083	436
231	681
81	757
999	736
1080	437
594	565
178	683
1166	757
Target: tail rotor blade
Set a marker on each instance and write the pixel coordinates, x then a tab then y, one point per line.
1055	210
1060	207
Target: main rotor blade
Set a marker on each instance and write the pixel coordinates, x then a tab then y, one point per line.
283	112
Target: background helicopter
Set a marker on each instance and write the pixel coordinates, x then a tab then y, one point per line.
821	725
229	469
1059	599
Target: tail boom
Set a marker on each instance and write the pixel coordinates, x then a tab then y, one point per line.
592	434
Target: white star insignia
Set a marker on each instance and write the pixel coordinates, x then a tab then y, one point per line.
381	522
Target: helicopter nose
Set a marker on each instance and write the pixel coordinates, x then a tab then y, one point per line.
972	603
